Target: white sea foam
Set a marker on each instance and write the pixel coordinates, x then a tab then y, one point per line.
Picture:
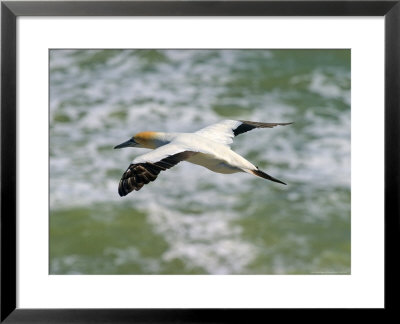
126	93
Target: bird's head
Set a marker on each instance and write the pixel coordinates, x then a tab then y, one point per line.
142	139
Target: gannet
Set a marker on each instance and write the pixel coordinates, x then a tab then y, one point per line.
208	147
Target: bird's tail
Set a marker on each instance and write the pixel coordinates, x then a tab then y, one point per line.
264	175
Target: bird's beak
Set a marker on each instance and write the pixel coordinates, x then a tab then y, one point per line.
129	143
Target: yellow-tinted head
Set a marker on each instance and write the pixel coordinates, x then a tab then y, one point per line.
146	139
143	139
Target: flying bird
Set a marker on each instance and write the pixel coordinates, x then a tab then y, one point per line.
208	147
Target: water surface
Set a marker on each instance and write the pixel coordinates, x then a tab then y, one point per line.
192	221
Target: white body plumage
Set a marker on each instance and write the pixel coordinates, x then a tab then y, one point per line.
208	147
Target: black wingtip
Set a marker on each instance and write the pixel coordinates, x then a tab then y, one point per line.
121	190
264	175
277	180
284	124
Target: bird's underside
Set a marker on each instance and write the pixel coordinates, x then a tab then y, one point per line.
210	149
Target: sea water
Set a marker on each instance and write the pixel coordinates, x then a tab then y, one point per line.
190	220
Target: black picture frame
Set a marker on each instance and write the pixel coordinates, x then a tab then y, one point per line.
11	10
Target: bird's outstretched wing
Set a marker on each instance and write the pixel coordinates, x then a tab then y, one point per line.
224	131
145	168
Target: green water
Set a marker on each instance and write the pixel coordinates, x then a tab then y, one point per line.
192	221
